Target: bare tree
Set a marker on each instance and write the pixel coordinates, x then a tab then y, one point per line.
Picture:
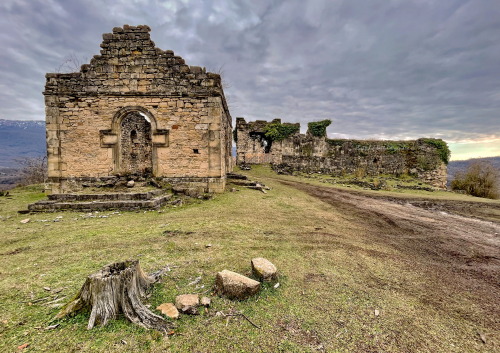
33	170
71	63
230	101
480	179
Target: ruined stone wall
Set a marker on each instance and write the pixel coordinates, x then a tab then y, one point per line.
252	145
184	107
308	153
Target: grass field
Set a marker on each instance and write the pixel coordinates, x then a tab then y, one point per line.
339	291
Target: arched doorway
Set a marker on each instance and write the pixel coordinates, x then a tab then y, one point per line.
136	147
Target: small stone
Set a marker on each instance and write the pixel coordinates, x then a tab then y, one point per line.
235	286
376	312
187	303
208	245
130	183
264	270
24	221
23	346
205	301
169	310
276	285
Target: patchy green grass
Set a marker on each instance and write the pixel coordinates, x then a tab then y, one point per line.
333	278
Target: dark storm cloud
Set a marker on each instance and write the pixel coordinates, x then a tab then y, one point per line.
378	69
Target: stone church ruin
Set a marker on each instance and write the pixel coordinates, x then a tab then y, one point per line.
137	111
282	145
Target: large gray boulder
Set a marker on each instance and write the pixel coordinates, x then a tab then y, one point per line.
264	269
235	286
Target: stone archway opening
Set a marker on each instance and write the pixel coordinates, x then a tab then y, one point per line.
136	145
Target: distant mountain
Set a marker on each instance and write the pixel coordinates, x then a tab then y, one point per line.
20	139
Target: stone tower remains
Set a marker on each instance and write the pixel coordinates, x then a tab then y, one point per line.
137	111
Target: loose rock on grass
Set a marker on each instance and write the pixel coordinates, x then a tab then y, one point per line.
235	286
264	269
187	303
169	310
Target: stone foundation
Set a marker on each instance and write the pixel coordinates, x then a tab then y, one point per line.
72	185
98	202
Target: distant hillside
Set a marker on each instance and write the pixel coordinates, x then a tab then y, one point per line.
456	166
20	139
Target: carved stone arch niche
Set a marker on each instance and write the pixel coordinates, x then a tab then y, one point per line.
134	139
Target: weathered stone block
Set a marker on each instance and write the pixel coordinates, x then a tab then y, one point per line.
187	303
235	286
264	269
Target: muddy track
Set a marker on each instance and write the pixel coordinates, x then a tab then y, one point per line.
459	253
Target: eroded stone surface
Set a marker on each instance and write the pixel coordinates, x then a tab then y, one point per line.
235	286
205	301
169	310
264	269
187	303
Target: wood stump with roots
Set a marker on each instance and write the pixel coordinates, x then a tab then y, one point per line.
114	290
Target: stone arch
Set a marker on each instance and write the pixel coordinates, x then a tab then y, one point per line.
134	151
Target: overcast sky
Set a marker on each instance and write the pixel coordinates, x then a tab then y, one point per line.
379	69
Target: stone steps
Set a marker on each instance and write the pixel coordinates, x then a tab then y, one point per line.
107	196
99	202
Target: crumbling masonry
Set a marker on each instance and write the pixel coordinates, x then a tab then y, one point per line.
137	111
425	159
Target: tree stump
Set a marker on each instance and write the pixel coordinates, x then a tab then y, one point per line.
116	289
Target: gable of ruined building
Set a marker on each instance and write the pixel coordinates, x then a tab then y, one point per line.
130	64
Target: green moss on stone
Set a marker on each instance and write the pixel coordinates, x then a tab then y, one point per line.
318	128
441	146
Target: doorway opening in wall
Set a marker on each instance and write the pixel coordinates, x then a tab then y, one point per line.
136	147
264	141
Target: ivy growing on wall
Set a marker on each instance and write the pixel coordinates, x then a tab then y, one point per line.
278	131
235	135
336	142
318	128
441	146
393	147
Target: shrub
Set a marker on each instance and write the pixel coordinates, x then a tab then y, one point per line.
441	146
360	172
33	170
278	131
480	179
336	142
318	128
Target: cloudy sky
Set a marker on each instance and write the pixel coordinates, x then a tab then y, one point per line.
379	69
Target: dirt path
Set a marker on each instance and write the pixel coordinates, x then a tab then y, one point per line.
458	253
